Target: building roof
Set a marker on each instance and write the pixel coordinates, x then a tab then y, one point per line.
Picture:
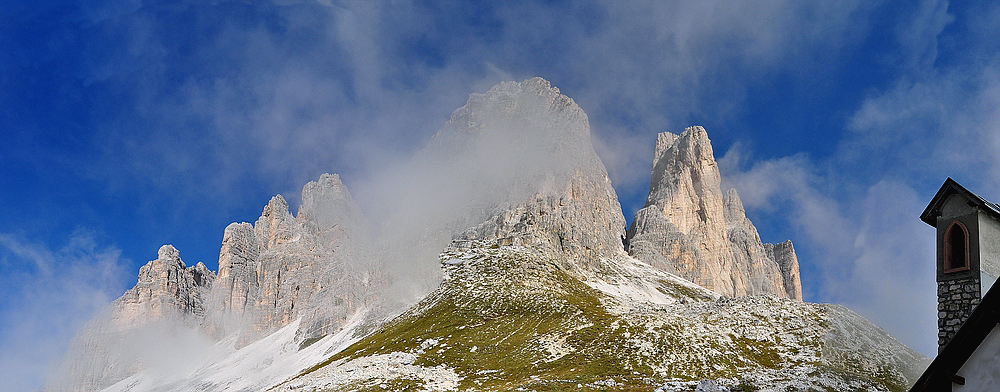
950	187
943	371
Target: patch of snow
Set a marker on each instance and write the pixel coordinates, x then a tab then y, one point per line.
257	366
633	291
631	281
376	368
556	346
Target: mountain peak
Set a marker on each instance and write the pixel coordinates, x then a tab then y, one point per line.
329	210
169	253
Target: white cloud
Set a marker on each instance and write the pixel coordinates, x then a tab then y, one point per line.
346	88
941	118
892	277
48	296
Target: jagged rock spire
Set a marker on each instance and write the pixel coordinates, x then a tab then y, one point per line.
682	228
690	228
784	254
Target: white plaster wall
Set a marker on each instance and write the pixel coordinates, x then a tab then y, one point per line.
989	247
982	370
985	282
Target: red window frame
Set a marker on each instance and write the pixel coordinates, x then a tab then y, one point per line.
948	262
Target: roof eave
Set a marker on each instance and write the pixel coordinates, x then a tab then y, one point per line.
933	210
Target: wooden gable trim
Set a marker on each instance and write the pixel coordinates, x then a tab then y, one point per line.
950	187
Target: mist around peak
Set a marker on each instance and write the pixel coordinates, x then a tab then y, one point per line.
517	142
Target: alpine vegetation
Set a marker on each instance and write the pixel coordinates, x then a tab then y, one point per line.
501	261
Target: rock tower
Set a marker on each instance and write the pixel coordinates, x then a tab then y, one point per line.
689	227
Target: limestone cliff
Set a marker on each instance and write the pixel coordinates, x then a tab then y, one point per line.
784	254
760	271
690	228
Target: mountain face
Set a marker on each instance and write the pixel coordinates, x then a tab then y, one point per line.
689	227
542	286
166	289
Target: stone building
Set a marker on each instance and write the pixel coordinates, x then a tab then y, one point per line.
968	264
968	253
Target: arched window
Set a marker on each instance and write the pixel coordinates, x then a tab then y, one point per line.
956	247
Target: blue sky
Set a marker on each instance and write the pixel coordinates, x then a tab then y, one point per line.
130	124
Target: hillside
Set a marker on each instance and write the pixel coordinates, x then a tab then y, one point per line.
508	318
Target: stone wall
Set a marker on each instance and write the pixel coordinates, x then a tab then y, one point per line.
957	297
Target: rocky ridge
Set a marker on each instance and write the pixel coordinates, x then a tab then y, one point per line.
310	270
284	267
165	288
168	295
690	228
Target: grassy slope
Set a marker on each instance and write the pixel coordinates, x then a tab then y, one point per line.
511	319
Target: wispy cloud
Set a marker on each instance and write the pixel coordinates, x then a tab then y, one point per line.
257	97
285	91
48	296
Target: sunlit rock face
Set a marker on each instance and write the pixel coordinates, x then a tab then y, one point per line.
166	288
553	192
691	228
784	254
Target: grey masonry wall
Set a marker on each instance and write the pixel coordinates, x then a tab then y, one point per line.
958	292
956	299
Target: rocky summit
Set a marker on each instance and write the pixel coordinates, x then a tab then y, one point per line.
541	285
561	201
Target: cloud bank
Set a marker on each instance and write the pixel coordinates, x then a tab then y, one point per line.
48	296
